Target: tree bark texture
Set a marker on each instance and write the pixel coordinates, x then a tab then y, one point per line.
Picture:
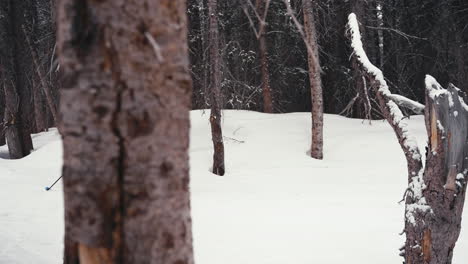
432	229
125	102
315	81
15	82
262	11
215	93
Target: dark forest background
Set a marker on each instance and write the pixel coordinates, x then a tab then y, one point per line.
418	37
406	39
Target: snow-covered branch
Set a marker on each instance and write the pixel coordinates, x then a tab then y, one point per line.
407	103
389	108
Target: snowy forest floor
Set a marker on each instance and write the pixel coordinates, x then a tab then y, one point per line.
275	205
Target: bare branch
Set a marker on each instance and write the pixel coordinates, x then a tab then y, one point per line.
407	103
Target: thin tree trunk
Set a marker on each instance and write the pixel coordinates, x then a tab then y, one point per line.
40	114
205	65
315	81
125	104
380	23
215	94
266	89
2	108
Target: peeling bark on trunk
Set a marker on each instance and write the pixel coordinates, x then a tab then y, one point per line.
266	88
431	234
215	94
125	104
315	81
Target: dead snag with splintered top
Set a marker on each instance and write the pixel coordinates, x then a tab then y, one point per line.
436	192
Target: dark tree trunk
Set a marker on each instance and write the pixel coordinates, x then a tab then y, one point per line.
40	113
125	106
215	94
315	81
22	20
262	11
2	109
16	121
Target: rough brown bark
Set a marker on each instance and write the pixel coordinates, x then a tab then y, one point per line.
215	94
125	101
262	11
431	234
315	81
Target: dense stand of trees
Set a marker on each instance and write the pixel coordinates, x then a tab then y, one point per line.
406	39
27	73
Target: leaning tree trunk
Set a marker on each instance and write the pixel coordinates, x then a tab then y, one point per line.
215	94
262	11
436	192
362	107
125	105
315	81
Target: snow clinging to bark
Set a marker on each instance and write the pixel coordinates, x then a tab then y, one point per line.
415	190
434	88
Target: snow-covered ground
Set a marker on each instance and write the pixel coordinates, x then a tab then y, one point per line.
275	205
